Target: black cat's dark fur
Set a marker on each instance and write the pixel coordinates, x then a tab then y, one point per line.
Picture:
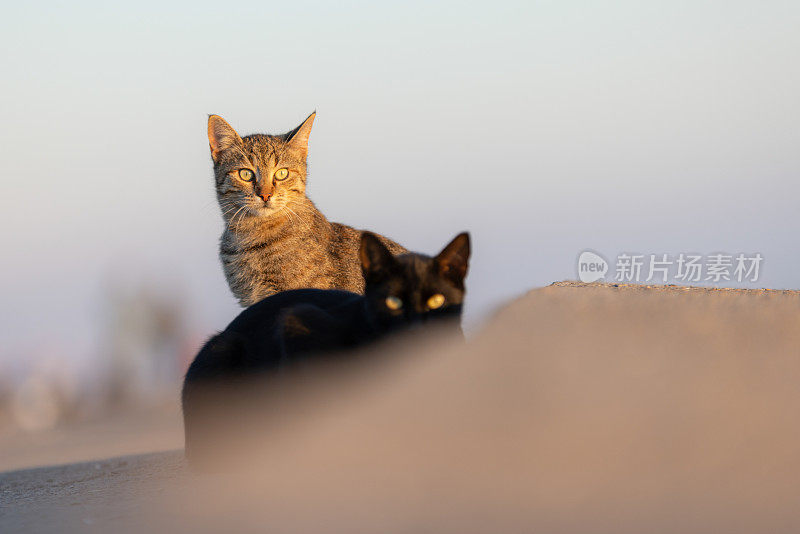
299	325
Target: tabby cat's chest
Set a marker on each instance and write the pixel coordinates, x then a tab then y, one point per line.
259	266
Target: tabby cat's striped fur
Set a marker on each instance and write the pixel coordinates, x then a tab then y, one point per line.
275	238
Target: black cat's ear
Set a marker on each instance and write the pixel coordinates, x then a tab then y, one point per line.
298	138
221	136
453	260
376	260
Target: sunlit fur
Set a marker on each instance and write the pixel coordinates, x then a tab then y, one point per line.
275	238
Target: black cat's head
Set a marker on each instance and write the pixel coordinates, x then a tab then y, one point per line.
413	288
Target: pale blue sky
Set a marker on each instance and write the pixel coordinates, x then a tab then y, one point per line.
544	128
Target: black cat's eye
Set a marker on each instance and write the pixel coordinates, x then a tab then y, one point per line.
281	174
435	301
246	175
393	303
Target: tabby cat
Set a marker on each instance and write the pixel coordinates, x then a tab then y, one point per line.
291	327
275	238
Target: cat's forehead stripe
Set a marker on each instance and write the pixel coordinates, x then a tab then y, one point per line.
268	149
261	146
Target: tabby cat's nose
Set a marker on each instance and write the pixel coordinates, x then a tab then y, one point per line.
265	196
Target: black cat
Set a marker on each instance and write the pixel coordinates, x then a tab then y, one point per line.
306	324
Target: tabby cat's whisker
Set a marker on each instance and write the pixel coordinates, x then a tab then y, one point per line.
230	222
303	224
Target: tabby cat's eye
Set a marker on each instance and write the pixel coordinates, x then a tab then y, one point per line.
435	301
281	174
394	303
246	174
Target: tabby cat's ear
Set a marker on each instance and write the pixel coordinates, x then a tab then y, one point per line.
453	260
298	138
376	260
221	136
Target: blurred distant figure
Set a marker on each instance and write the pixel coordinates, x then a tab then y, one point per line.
146	337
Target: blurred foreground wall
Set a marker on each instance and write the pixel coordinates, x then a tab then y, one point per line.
577	409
